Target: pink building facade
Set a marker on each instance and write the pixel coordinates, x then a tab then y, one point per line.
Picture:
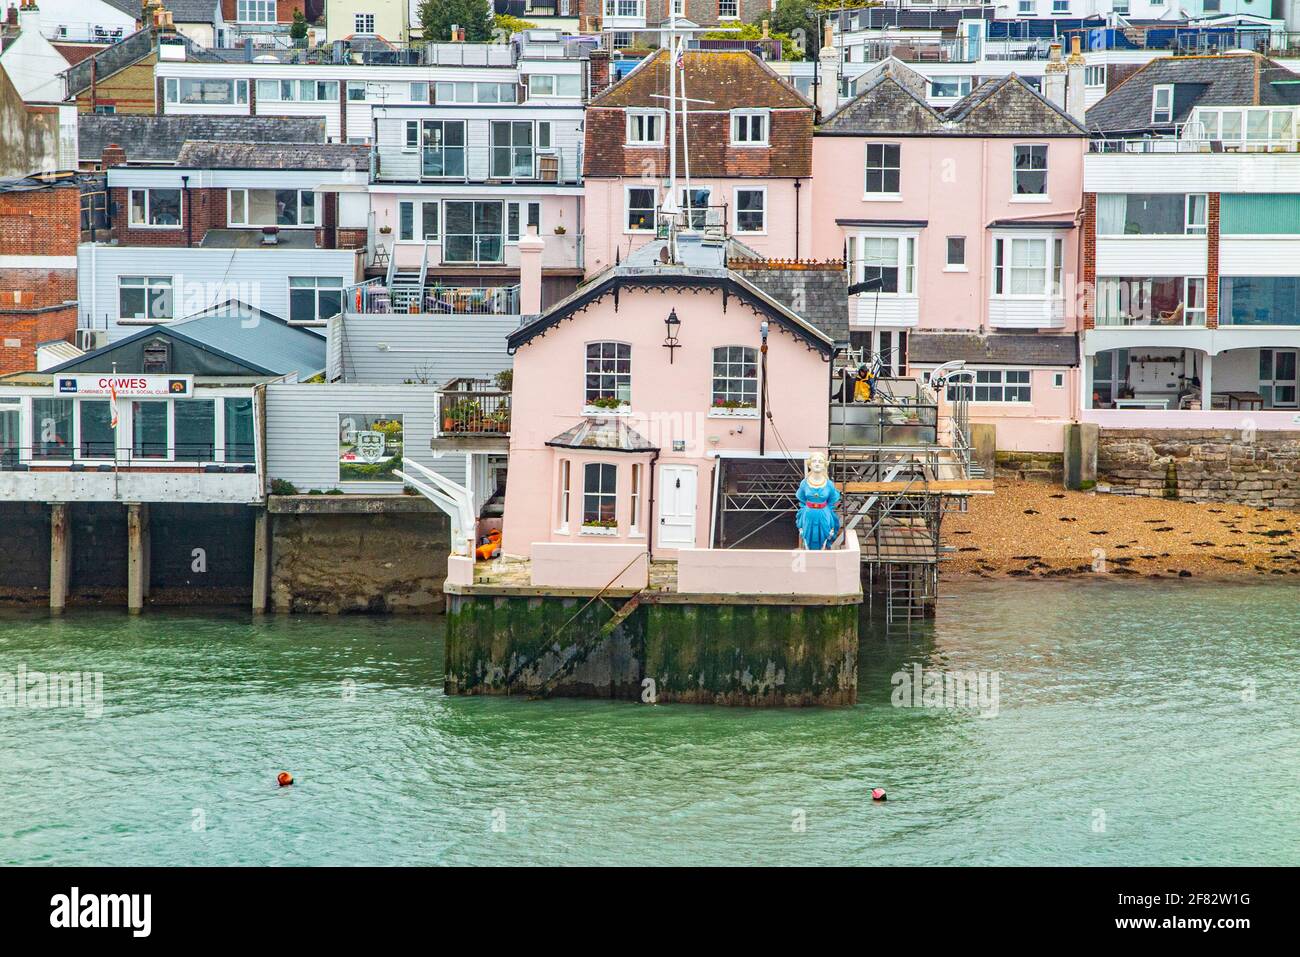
961	230
616	439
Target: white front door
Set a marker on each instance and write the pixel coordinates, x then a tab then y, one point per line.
677	494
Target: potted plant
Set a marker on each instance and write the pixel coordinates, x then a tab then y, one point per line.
608	402
385	229
559	229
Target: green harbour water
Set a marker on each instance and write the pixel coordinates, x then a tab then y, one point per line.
1137	723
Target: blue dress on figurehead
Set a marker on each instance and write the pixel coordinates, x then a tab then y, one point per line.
817	522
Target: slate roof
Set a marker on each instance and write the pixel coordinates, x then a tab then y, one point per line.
821	290
1006	106
160	138
1237	79
220	154
132	8
611	434
900	71
730	80
998	348
192	11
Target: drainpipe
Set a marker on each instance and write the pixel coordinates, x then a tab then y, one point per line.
650	512
797	186
185	191
762	394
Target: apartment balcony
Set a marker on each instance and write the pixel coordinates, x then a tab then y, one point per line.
1170	302
480	164
473	415
563	252
416	297
956	50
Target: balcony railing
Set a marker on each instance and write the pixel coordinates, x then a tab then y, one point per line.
466	413
375	298
499	164
1165	145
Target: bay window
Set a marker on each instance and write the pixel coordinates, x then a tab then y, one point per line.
272	207
735	378
892	260
600	496
1031	266
156	207
608	383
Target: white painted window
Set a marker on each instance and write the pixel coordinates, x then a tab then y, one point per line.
363	23
271	207
255	11
749	128
892	261
1162	103
884	169
735	379
1061	6
600	497
1029	173
751	210
566	491
1027	267
147	298
156	208
608	383
956	253
993	385
205	92
357	90
645	127
625	8
297	91
1094	75
679	8
314	298
1026	6
419	92
641	204
728	9
949	87
464	91
634	513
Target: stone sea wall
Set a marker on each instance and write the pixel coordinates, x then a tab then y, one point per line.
1204	465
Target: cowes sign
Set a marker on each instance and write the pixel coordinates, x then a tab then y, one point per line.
126	386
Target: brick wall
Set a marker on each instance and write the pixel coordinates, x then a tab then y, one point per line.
37	301
128	91
40	222
205	209
24	327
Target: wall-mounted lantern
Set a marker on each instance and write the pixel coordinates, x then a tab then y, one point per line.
674	326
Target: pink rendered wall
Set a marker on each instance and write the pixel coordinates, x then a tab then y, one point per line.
751	571
670	401
958	185
604	212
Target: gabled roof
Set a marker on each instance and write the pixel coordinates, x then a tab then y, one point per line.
914	81
614	279
232	338
216	154
160	138
728	80
1006	106
1234	79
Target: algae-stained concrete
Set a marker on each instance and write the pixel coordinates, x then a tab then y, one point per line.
734	653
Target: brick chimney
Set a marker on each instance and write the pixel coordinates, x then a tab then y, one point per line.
599	66
113	155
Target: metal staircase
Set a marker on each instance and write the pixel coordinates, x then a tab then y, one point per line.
910	592
406	286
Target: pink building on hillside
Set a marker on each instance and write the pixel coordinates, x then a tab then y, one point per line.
633	395
964	225
744	157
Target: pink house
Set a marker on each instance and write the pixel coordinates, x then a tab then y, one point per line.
744	159
961	230
632	396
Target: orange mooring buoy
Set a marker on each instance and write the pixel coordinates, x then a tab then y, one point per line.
284	779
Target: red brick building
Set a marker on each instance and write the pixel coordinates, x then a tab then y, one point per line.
40	226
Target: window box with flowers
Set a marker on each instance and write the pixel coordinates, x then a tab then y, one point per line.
732	409
600	526
606	404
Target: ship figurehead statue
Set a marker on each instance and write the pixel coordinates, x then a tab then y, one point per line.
816	520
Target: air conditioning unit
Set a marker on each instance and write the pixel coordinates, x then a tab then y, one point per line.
88	340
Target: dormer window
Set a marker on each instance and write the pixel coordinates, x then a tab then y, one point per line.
645	128
1162	103
749	128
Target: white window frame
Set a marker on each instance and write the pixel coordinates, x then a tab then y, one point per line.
565	501
1046	170
742	127
1091	74
898	169
1162	114
363	24
588	407
963	87
418	91
642	122
1023	379
601	495
1002	268
722	369
319	283
172	91
728	9
624	9
635	501
735	203
234	223
948	264
148	207
148	283
627	209
904	261
255	11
